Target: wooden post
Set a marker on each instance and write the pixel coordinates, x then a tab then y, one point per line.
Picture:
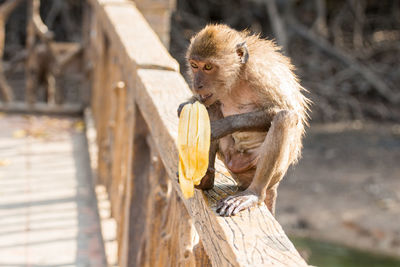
170	237
5	10
30	69
136	192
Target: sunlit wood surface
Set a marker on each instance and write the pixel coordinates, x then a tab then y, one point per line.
48	213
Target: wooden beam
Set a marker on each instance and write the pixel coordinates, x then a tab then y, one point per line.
139	46
5	10
42	108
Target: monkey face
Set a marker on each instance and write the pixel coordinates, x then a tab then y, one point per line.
215	59
204	78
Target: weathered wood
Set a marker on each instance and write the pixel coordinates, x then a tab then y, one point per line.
66	52
5	10
40	57
158	14
137	193
155	229
170	238
30	68
121	154
46	59
139	45
42	108
104	121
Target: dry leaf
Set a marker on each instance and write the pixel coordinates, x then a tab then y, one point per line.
79	126
19	133
4	162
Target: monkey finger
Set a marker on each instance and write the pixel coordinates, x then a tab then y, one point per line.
244	205
227	203
222	202
239	202
179	110
223	207
233	206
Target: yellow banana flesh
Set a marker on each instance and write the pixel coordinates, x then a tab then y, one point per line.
193	145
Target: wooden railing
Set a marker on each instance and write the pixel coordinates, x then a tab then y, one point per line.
45	61
136	89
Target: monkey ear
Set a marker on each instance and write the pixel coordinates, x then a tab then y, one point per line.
242	52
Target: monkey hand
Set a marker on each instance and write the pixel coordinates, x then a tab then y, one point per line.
181	107
233	204
191	101
207	182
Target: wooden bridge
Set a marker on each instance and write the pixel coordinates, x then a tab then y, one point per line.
127	101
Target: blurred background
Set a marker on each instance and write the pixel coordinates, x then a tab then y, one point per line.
341	203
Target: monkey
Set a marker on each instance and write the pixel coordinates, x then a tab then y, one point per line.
257	109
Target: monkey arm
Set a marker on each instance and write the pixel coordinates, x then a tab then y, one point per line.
251	121
214	111
208	180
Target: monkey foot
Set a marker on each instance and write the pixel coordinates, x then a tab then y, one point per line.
233	204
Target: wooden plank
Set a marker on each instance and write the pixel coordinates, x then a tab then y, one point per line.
42	108
127	28
170	238
252	238
136	195
5	10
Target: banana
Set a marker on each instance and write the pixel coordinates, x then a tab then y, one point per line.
194	135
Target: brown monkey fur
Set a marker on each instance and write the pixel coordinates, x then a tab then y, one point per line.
257	111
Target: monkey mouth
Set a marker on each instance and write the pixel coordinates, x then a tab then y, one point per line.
204	98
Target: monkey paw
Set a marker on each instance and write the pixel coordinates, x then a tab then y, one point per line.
233	204
207	182
179	110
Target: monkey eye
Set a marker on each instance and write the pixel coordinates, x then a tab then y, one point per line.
193	65
207	67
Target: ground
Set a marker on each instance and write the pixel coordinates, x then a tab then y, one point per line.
48	213
346	188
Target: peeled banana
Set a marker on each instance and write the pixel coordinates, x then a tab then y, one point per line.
193	146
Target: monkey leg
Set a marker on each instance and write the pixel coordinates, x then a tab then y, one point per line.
270	198
207	182
271	167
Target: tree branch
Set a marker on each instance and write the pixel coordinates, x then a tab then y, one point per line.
381	87
277	24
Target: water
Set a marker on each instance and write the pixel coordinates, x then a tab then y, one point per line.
324	254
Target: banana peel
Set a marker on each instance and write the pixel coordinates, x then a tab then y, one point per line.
194	134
